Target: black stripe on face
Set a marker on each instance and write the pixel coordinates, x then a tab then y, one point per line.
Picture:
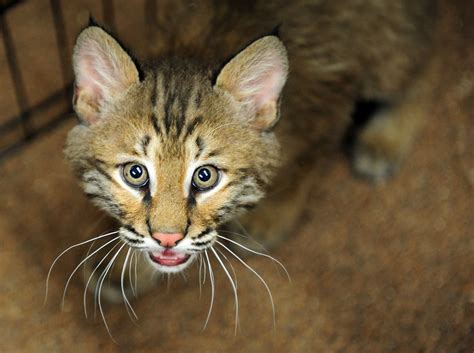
148	224
153	101
198	99
99	165
145	142
192	125
188	224
107	202
252	173
156	127
200	145
247	206
132	230
191	200
213	153
184	97
169	115
133	241
203	233
147	197
203	243
153	96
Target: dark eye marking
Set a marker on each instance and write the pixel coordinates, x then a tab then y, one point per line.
191	200
145	142
213	153
200	145
147	197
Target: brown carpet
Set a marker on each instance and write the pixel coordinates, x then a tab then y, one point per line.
386	268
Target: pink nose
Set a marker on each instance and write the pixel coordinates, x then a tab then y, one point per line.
168	239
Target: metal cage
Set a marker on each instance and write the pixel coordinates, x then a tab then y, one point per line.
23	127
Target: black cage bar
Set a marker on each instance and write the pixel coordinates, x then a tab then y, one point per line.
58	101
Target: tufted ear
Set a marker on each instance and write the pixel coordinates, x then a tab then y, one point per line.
255	77
103	71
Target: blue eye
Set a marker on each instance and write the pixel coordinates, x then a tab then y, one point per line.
205	178
135	174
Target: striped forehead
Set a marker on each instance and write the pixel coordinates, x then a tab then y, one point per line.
175	101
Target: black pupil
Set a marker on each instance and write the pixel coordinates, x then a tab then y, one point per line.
204	174
136	171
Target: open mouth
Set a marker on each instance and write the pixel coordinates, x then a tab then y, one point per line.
169	257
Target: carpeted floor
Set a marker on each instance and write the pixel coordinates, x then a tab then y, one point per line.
386	268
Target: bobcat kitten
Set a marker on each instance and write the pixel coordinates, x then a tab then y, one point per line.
173	151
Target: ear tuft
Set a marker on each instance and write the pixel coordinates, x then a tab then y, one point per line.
92	21
255	77
103	71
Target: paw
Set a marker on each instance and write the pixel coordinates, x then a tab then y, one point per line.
372	162
379	150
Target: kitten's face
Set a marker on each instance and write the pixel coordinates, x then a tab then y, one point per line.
172	156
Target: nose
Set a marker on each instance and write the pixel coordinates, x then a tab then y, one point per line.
168	239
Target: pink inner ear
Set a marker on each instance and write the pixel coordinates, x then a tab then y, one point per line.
93	68
263	86
98	73
269	87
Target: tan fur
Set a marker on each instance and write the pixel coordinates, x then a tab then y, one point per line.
338	51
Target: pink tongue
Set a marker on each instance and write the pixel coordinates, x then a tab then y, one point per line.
169	257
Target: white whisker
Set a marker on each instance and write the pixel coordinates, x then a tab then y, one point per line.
102	278
246	236
130	273
80	264
230	264
204	269
200	275
234	287
257	253
65	251
168	283
84	297
211	276
256	274
136	274
100	289
123	291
